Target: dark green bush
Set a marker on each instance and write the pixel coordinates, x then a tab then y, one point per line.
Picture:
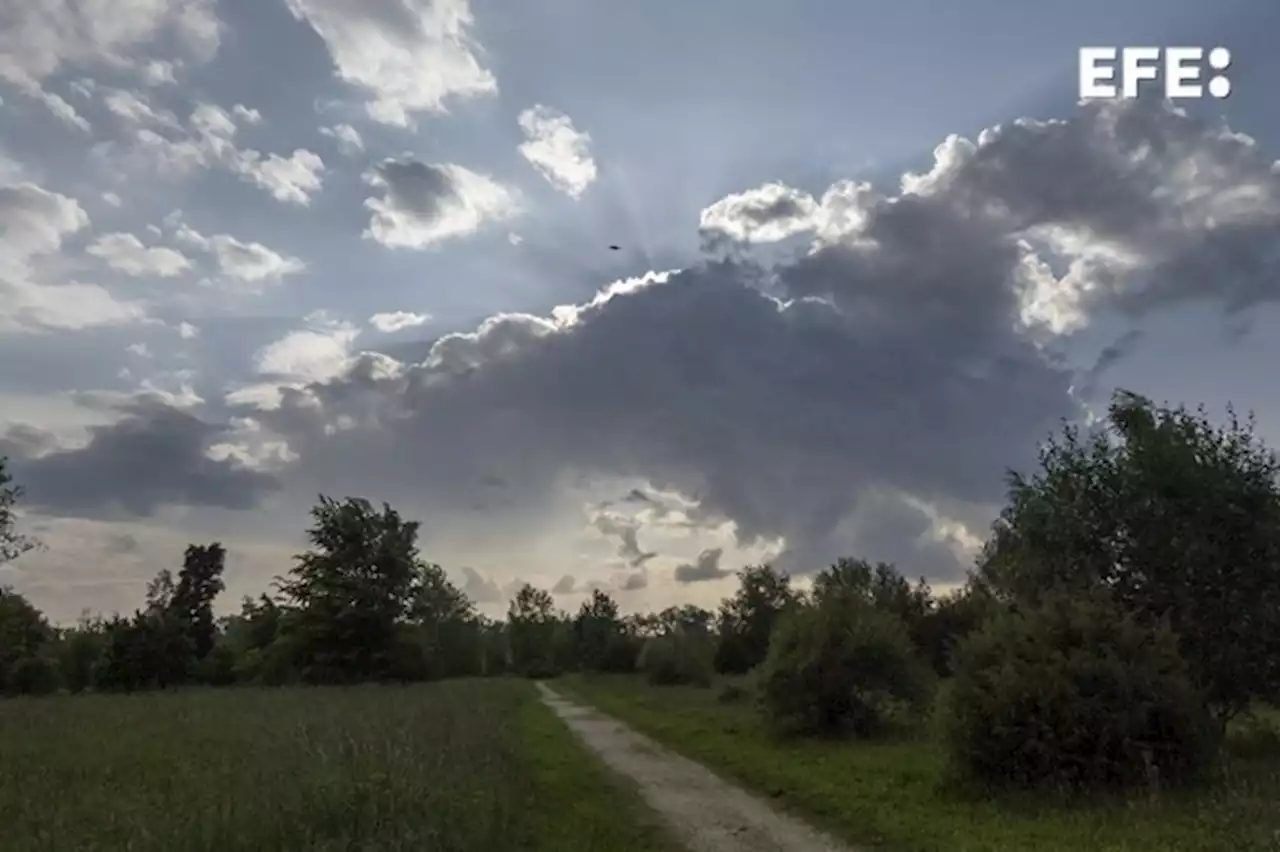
678	658
33	676
1074	695
840	668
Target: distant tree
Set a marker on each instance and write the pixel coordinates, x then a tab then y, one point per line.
191	600
1178	519
447	624
748	617
531	625
352	589
80	651
596	629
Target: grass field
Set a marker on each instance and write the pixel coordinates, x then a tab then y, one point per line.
889	796
465	765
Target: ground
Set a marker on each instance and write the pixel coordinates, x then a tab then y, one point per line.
892	795
450	767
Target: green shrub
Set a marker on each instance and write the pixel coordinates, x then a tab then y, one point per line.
33	676
1074	695
682	657
840	668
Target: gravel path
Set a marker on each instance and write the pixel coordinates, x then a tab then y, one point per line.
707	813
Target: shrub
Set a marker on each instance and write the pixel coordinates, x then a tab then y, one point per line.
840	668
33	676
1074	695
731	693
682	657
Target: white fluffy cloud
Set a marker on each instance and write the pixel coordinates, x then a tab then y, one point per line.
560	152
241	264
398	321
126	253
34	295
408	55
348	138
159	142
42	38
423	204
316	353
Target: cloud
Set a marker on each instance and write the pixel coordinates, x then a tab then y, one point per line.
35	292
241	264
705	567
41	39
347	137
423	204
480	589
154	456
159	142
408	56
564	586
627	530
768	213
314	354
560	152
390	323
126	253
187	331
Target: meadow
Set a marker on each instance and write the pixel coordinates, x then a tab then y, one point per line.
459	765
892	795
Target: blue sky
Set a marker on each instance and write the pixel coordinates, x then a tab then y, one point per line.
254	250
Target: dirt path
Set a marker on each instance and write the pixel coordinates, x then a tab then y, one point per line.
707	813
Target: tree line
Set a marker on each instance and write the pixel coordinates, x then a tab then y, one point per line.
1124	610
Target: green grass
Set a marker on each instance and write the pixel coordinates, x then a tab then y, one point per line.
890	796
466	765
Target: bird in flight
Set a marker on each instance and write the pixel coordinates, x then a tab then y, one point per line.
615	248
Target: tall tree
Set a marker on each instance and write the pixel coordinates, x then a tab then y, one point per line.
747	619
1177	518
595	629
352	589
191	600
531	625
12	543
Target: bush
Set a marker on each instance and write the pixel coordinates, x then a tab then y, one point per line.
731	693
33	676
682	657
1074	695
840	668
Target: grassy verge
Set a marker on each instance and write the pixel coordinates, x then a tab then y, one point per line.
889	795
467	765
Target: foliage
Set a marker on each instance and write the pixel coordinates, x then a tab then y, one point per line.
1179	518
12	543
681	657
351	590
1074	694
747	618
841	666
531	630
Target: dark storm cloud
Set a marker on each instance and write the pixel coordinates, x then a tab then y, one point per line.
901	351
154	456
705	567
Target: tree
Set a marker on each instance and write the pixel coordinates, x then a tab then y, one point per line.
1074	694
12	544
747	619
352	589
446	619
1179	519
596	629
24	632
840	666
531	625
199	582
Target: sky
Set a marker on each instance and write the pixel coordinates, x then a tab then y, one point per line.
870	255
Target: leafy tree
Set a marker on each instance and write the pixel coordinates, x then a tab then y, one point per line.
352	589
531	626
682	656
747	619
1178	518
23	634
596	630
447	620
80	651
191	600
946	624
1074	693
840	666
12	544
